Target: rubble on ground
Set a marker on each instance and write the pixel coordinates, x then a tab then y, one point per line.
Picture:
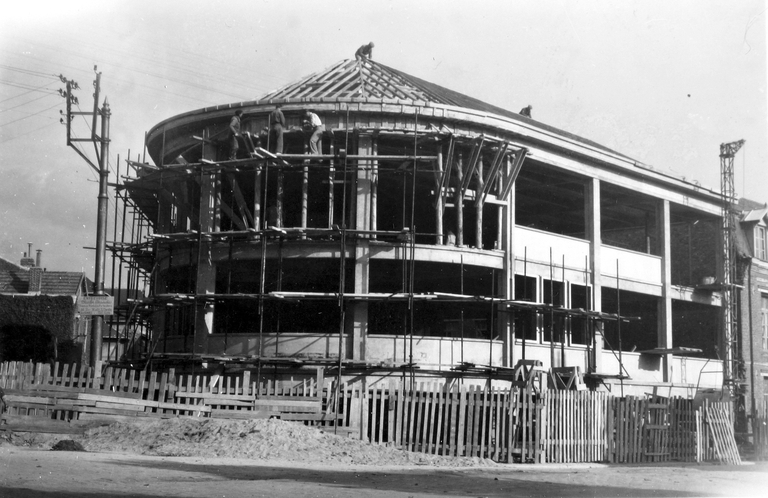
265	440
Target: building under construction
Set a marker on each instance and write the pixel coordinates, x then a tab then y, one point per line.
434	235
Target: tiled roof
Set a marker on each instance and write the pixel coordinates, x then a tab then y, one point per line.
61	282
52	282
752	211
748	204
14	282
6	265
369	80
754	215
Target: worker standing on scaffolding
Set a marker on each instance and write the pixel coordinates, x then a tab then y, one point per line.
234	133
313	122
364	52
276	125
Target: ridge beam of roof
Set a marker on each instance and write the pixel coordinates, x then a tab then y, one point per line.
517	165
495	167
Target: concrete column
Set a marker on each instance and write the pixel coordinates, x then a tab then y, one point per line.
164	210
210	221
592	211
459	201
362	211
508	281
665	303
257	194
439	200
331	185
479	206
279	198
374	185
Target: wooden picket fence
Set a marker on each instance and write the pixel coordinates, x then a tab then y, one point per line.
69	398
445	419
576	426
506	424
518	425
760	432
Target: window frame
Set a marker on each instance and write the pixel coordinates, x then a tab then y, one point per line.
761	248
764	319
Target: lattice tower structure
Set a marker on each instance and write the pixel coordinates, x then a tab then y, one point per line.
729	302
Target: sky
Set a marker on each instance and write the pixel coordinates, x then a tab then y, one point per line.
664	82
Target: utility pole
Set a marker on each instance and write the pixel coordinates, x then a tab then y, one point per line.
101	149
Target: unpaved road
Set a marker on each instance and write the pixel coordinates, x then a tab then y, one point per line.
37	473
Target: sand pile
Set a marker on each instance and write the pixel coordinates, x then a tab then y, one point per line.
253	439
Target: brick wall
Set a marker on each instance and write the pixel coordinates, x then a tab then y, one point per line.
756	287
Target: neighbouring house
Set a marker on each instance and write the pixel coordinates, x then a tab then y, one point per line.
754	304
38	313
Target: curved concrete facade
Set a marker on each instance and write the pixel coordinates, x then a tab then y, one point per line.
432	232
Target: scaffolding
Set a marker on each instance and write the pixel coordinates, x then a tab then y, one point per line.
139	246
130	327
264	207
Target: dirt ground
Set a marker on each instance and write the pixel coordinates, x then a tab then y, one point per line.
209	458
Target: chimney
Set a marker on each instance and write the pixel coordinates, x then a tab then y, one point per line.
28	261
39	261
35	280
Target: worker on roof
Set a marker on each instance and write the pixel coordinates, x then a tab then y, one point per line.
364	52
526	111
234	133
318	128
276	125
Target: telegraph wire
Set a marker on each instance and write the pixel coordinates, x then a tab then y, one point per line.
22	94
31	72
25	103
27	87
152	88
27	133
31	115
189	65
191	68
147	73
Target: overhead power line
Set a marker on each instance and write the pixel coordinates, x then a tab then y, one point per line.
25	103
22	94
27	87
27	133
31	72
31	115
